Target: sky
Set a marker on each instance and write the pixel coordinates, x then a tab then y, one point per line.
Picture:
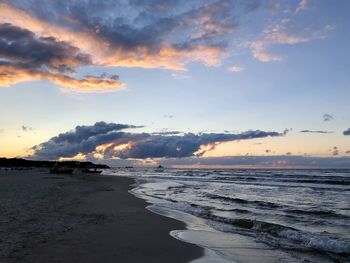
227	83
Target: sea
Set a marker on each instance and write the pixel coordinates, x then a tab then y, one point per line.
253	215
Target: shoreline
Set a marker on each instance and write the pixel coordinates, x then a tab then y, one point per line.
227	240
91	219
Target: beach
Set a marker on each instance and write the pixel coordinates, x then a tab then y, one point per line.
189	216
51	218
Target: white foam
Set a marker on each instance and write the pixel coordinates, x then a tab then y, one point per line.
220	247
232	247
317	241
161	185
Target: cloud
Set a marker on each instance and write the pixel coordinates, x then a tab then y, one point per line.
96	84
82	139
272	35
108	140
346	132
311	131
26	128
26	56
180	76
167	133
278	34
235	68
327	117
303	4
29	51
130	33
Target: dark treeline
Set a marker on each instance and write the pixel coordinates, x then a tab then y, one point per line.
15	162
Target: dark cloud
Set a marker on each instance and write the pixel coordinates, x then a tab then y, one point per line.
144	33
133	24
346	132
159	146
50	40
22	48
25	56
327	117
133	33
167	133
311	131
82	139
115	143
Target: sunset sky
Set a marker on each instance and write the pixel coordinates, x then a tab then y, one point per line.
241	83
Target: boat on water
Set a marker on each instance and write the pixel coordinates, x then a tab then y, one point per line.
159	169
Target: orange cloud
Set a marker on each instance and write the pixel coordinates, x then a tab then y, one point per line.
99	51
87	84
84	40
103	53
10	75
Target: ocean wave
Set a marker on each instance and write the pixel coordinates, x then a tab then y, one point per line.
317	241
324	213
244	201
285	211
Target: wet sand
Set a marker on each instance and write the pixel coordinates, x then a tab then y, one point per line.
46	218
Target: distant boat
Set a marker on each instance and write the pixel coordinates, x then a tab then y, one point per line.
61	170
159	169
91	171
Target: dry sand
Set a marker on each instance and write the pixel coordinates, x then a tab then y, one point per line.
45	218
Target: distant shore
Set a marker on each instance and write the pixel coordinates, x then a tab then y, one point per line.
20	164
47	218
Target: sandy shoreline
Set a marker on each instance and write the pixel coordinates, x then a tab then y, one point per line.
47	218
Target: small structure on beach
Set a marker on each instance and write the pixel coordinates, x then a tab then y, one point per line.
91	171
